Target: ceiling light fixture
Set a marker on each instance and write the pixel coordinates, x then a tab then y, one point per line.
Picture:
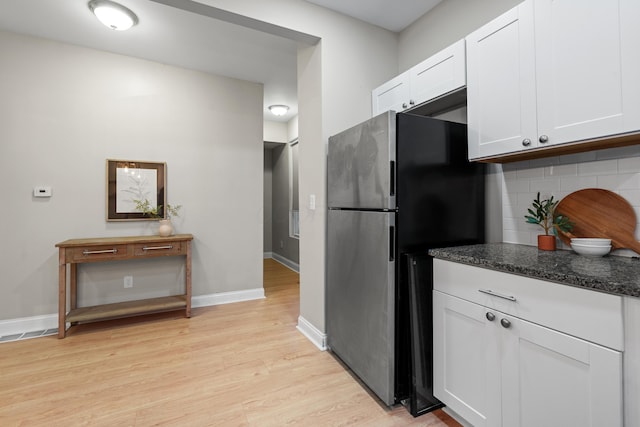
279	110
113	15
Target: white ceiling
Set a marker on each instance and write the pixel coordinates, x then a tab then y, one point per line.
394	15
188	35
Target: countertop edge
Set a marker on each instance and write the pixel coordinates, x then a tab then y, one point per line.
605	285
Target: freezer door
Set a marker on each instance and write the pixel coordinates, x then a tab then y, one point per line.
361	165
360	296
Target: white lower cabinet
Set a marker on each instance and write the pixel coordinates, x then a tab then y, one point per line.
495	369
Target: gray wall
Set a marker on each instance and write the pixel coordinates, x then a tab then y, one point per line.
283	245
66	109
268	204
448	22
335	79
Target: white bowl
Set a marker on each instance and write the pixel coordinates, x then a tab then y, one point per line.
591	241
590	250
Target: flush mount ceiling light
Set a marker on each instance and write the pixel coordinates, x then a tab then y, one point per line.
279	110
113	15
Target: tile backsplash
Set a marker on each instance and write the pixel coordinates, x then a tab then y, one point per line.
615	169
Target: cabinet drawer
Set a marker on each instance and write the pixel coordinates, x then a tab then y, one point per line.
591	315
96	253
159	249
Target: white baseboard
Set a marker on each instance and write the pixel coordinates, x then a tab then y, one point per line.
50	321
267	255
286	262
227	297
28	324
312	333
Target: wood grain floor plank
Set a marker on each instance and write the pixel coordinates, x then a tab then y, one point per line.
241	364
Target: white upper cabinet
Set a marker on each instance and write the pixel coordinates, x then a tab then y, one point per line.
580	70
565	67
501	93
392	95
441	73
436	76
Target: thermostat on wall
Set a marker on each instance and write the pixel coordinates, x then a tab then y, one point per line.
42	192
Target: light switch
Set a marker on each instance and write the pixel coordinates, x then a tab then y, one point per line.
42	191
312	202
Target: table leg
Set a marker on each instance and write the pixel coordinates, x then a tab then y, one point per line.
62	294
187	280
73	286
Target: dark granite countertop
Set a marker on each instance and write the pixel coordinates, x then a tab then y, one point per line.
612	274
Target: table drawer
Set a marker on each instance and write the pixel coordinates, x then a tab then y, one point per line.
159	249
96	253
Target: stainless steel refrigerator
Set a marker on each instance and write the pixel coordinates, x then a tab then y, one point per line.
398	184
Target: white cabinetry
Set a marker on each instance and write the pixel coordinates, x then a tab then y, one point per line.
501	99
439	74
497	364
551	72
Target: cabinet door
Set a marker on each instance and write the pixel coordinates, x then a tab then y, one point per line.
579	69
466	360
629	36
393	95
552	379
501	98
439	74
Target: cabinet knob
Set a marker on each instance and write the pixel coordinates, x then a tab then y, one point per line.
505	323
490	316
412	102
404	105
526	142
543	139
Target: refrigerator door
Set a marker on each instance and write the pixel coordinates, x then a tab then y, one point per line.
420	269
361	165
440	195
360	296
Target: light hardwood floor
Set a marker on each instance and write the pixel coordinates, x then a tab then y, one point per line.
241	364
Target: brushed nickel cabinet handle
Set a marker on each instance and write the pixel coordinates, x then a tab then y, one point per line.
156	248
495	294
106	251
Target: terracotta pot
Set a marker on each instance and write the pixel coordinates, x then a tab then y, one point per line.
546	242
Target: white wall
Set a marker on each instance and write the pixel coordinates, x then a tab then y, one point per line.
275	131
65	110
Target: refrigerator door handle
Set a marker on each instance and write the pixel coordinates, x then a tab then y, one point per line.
392	181
392	243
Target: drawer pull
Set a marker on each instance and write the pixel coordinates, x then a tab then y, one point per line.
490	316
495	294
106	251
505	323
156	248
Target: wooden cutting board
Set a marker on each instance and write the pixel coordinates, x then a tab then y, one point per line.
600	213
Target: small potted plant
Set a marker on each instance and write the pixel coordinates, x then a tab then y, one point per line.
165	229
542	213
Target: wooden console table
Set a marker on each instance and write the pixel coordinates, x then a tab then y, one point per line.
76	251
